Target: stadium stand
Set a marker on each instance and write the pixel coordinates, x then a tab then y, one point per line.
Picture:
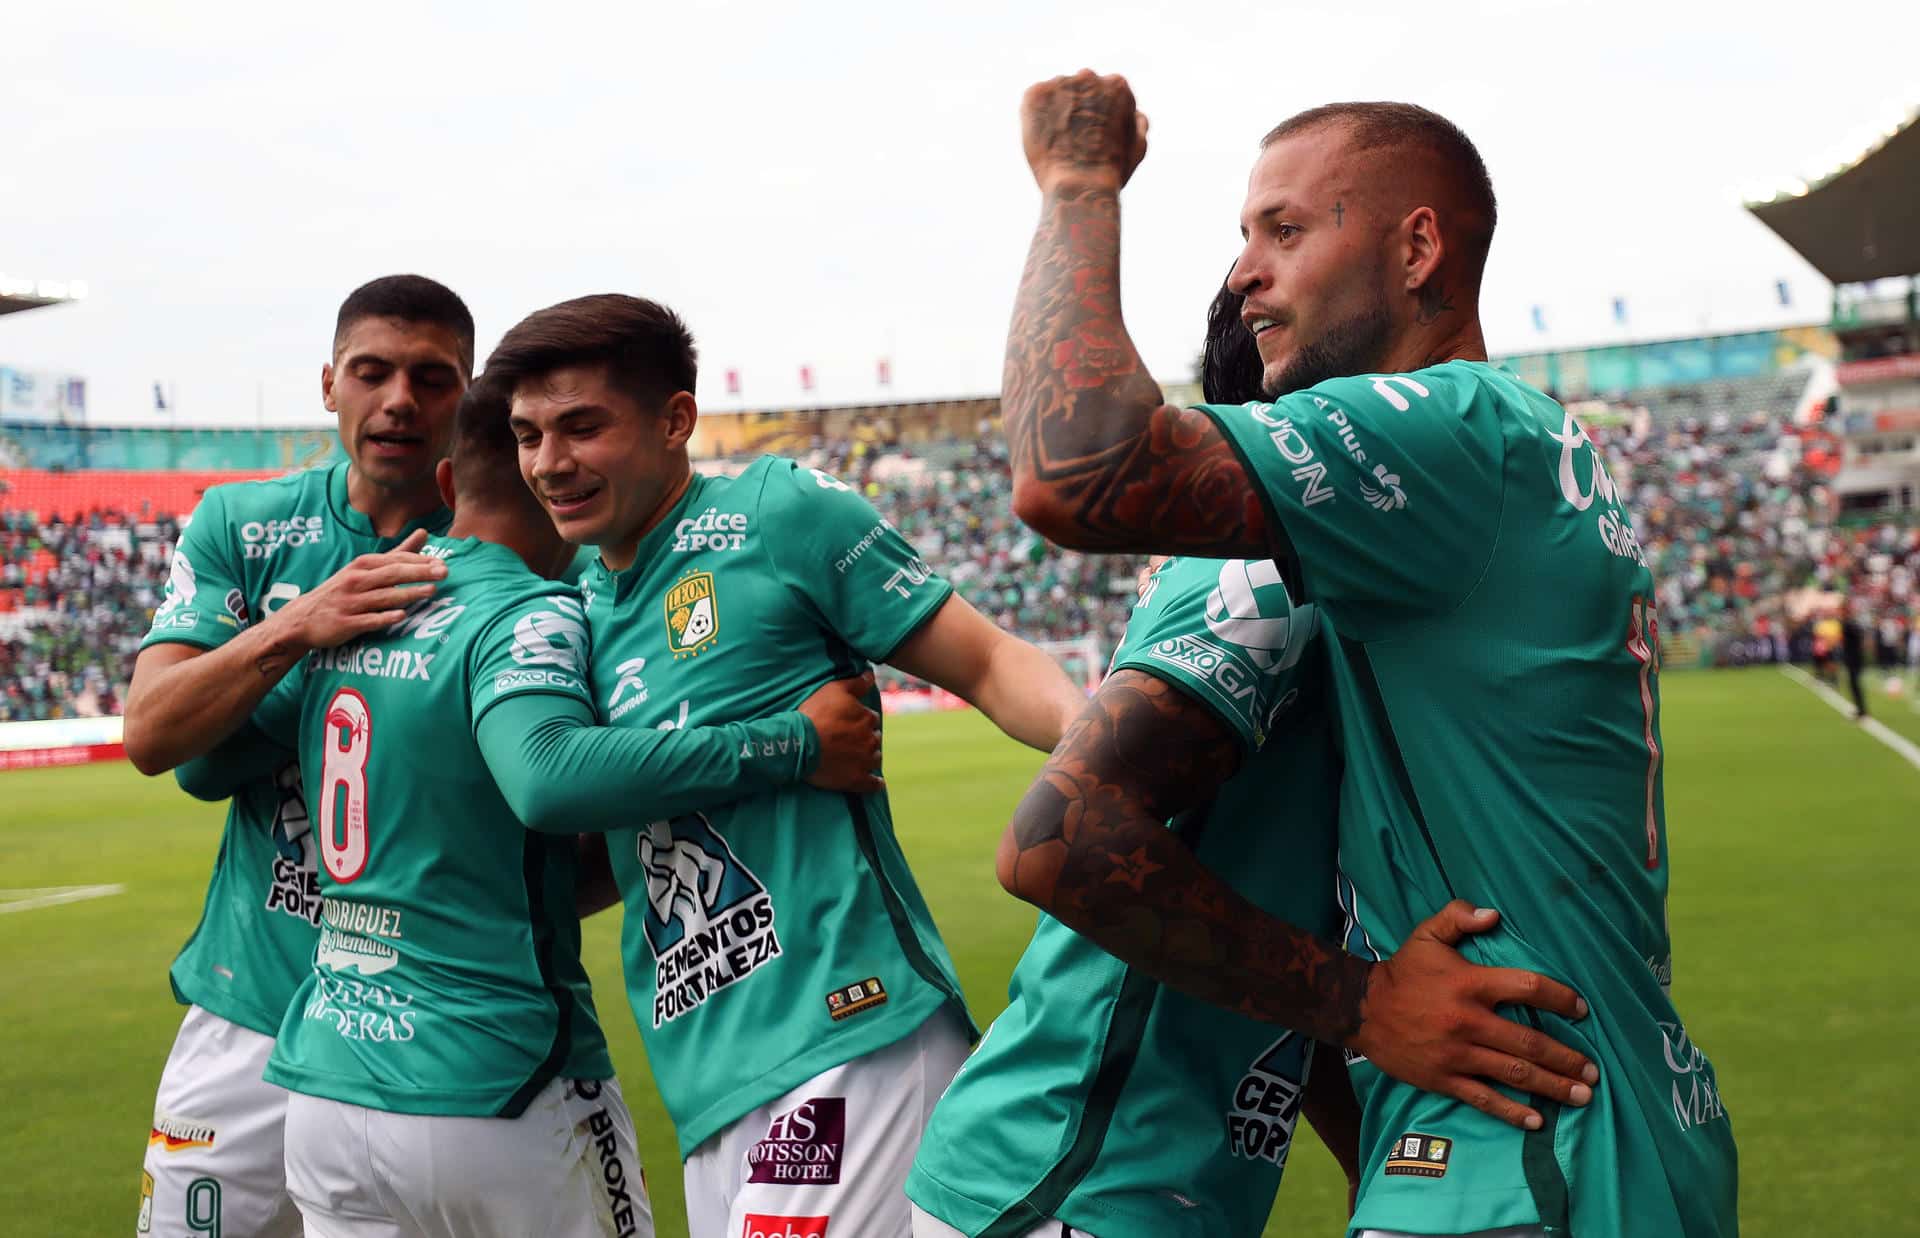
83	560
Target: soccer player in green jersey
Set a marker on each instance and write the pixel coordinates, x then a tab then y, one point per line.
1494	669
263	573
797	1004
448	1071
1101	1102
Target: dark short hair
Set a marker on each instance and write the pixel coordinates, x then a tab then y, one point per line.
647	349
1374	125
486	459
410	298
1230	366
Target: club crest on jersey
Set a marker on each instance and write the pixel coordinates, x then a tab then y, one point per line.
709	920
693	615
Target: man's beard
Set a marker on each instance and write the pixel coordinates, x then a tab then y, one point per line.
1351	347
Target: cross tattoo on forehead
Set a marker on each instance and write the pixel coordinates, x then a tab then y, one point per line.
1339	214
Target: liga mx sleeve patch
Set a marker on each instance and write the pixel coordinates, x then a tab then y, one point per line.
1419	1156
850	1001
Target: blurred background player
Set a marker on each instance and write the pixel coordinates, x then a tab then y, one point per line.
798	1006
1495	661
257	581
448	1070
1853	650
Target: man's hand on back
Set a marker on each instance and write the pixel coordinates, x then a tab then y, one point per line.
1428	1019
849	736
368	594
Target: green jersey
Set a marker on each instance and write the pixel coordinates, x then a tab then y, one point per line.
1495	676
1101	1098
447	976
250	548
772	938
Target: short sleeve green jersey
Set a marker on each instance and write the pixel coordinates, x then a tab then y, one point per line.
250	548
447	976
1099	1097
775	937
1496	679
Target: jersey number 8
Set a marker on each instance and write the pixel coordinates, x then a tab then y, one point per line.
343	785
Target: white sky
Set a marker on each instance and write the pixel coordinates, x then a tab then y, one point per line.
832	183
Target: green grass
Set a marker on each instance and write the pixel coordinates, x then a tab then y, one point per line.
1796	854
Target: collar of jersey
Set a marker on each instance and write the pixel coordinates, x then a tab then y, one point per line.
435	521
652	544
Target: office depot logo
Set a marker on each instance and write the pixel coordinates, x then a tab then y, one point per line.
759	1226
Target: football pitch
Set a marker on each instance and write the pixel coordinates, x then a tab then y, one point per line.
1795	841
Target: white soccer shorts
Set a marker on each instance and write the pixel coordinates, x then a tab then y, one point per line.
565	1168
927	1225
214	1166
831	1156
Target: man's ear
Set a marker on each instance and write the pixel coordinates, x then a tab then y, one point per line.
681	415
326	387
443	478
1423	251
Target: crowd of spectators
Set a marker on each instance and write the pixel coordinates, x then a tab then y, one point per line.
75	598
1732	514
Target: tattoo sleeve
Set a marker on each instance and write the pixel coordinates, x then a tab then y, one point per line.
1089	846
1115	466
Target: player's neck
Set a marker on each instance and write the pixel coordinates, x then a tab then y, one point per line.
545	554
391	509
619	555
1436	344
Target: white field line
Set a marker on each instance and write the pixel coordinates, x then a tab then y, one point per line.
53	896
1872	726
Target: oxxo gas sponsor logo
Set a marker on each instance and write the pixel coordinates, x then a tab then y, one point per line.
803	1146
260	539
1227	674
760	1225
1266	1102
712	529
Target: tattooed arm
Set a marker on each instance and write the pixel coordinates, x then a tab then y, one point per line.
1088	846
1100	460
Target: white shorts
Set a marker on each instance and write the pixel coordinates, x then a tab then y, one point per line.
565	1168
927	1225
837	1148
214	1163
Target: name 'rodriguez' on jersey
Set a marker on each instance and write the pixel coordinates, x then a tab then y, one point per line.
781	935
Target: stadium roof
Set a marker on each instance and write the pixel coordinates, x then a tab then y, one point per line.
1862	221
25	294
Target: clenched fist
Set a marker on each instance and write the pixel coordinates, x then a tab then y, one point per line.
1082	131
